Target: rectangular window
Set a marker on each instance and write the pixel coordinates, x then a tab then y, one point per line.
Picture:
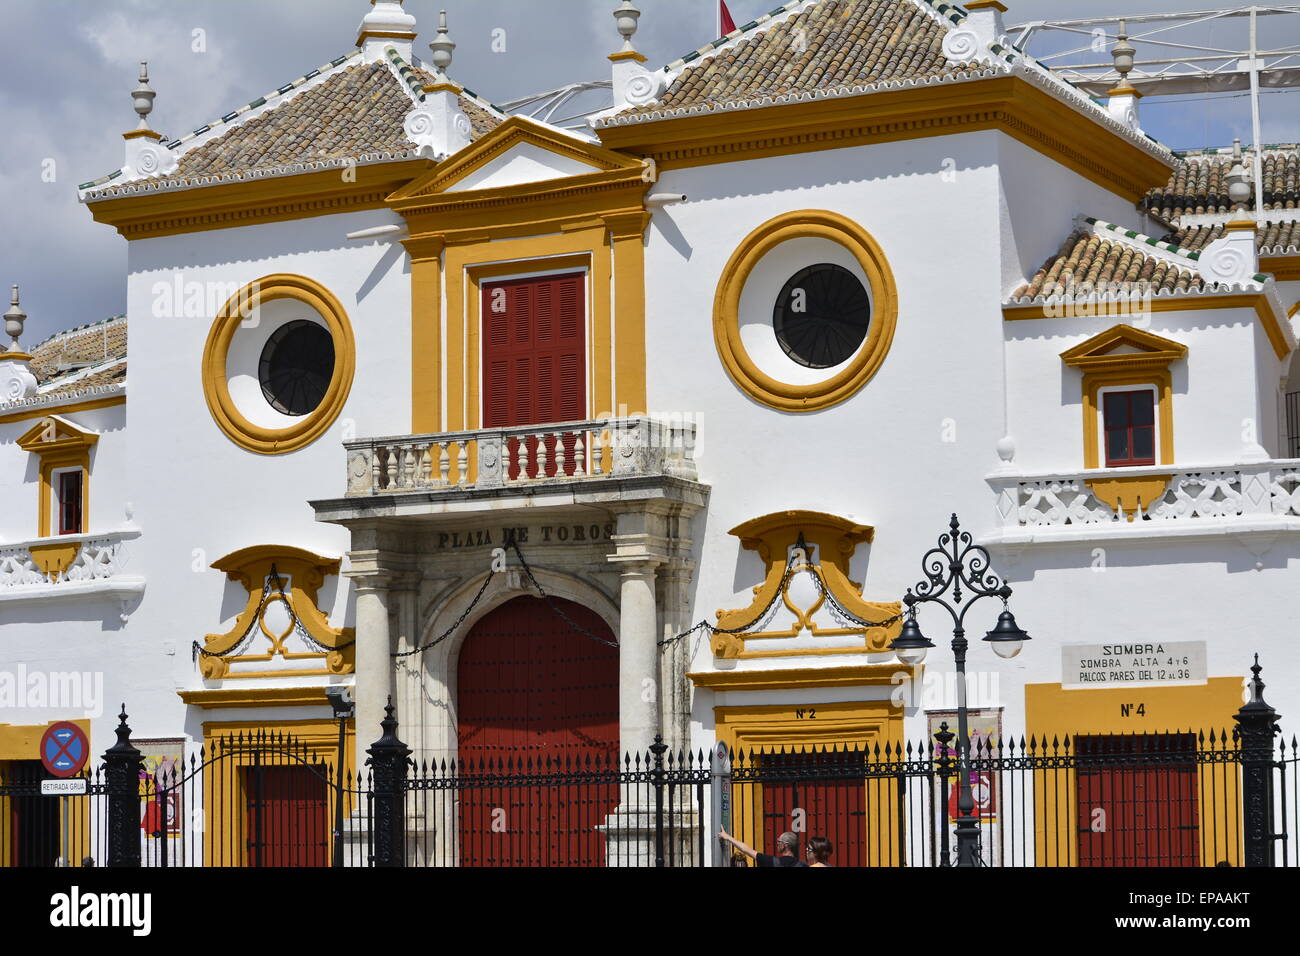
70	502
1130	428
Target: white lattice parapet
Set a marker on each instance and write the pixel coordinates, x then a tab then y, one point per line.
1161	500
530	455
69	566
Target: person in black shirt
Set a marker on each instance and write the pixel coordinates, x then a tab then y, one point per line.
787	850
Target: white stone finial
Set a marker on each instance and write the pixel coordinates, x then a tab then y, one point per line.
1122	53
16	380
626	16
442	47
1239	185
387	24
634	85
14	320
1122	101
142	97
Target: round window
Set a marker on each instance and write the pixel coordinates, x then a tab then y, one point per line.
822	316
296	367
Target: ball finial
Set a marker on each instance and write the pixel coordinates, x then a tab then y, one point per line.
1123	53
142	96
443	46
14	319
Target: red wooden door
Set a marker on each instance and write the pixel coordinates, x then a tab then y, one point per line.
293	809
832	806
534	360
1137	800
534	697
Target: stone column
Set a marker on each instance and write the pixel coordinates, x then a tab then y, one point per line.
638	657
374	678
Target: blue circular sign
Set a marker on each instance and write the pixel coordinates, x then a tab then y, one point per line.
64	749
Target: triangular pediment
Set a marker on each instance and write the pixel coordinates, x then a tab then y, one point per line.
518	153
53	433
1123	344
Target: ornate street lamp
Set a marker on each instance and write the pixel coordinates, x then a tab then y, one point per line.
955	564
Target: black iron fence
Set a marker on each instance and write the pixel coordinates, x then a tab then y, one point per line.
1226	796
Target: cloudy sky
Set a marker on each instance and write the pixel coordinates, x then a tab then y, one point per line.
70	65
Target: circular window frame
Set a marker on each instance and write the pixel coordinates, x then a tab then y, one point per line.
216	390
763	388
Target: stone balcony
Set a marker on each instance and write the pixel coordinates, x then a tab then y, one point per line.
1258	499
70	566
592	462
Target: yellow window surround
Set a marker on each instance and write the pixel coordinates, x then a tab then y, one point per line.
460	238
58	443
301	575
1126	356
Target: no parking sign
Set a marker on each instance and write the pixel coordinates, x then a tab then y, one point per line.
64	749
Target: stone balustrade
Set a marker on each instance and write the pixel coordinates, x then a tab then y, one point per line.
1150	498
69	565
522	456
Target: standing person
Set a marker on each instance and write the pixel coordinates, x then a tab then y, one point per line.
819	850
787	850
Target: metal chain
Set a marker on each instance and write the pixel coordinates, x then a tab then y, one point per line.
550	602
458	622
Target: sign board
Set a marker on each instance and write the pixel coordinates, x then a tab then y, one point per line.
64	749
985	730
1125	663
64	788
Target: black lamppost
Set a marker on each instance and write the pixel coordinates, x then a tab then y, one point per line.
957	562
343	707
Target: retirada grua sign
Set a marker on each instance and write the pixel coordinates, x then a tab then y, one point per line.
1125	663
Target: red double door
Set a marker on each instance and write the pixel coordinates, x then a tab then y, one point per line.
827	805
1137	800
534	364
536	698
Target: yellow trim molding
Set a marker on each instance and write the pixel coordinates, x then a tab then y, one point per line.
87	406
301	574
59	444
803	678
831	542
1103	366
276	199
805	223
1271	322
1282	268
255	697
1008	104
1052	712
256	438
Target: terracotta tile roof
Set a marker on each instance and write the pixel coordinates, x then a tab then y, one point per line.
1273	238
355	111
829	45
1199	182
114	374
65	353
1088	263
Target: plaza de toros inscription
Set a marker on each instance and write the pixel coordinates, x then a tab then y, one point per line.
546	534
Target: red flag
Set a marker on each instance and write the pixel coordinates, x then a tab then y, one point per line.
725	23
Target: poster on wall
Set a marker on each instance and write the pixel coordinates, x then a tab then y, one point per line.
985	728
161	812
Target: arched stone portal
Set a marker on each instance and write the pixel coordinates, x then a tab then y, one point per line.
537	695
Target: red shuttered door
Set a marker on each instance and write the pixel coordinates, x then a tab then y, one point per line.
534	364
535	696
1137	798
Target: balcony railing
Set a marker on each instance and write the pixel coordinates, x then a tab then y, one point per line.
68	565
1151	497
522	456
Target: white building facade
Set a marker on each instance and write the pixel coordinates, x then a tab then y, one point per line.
796	300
